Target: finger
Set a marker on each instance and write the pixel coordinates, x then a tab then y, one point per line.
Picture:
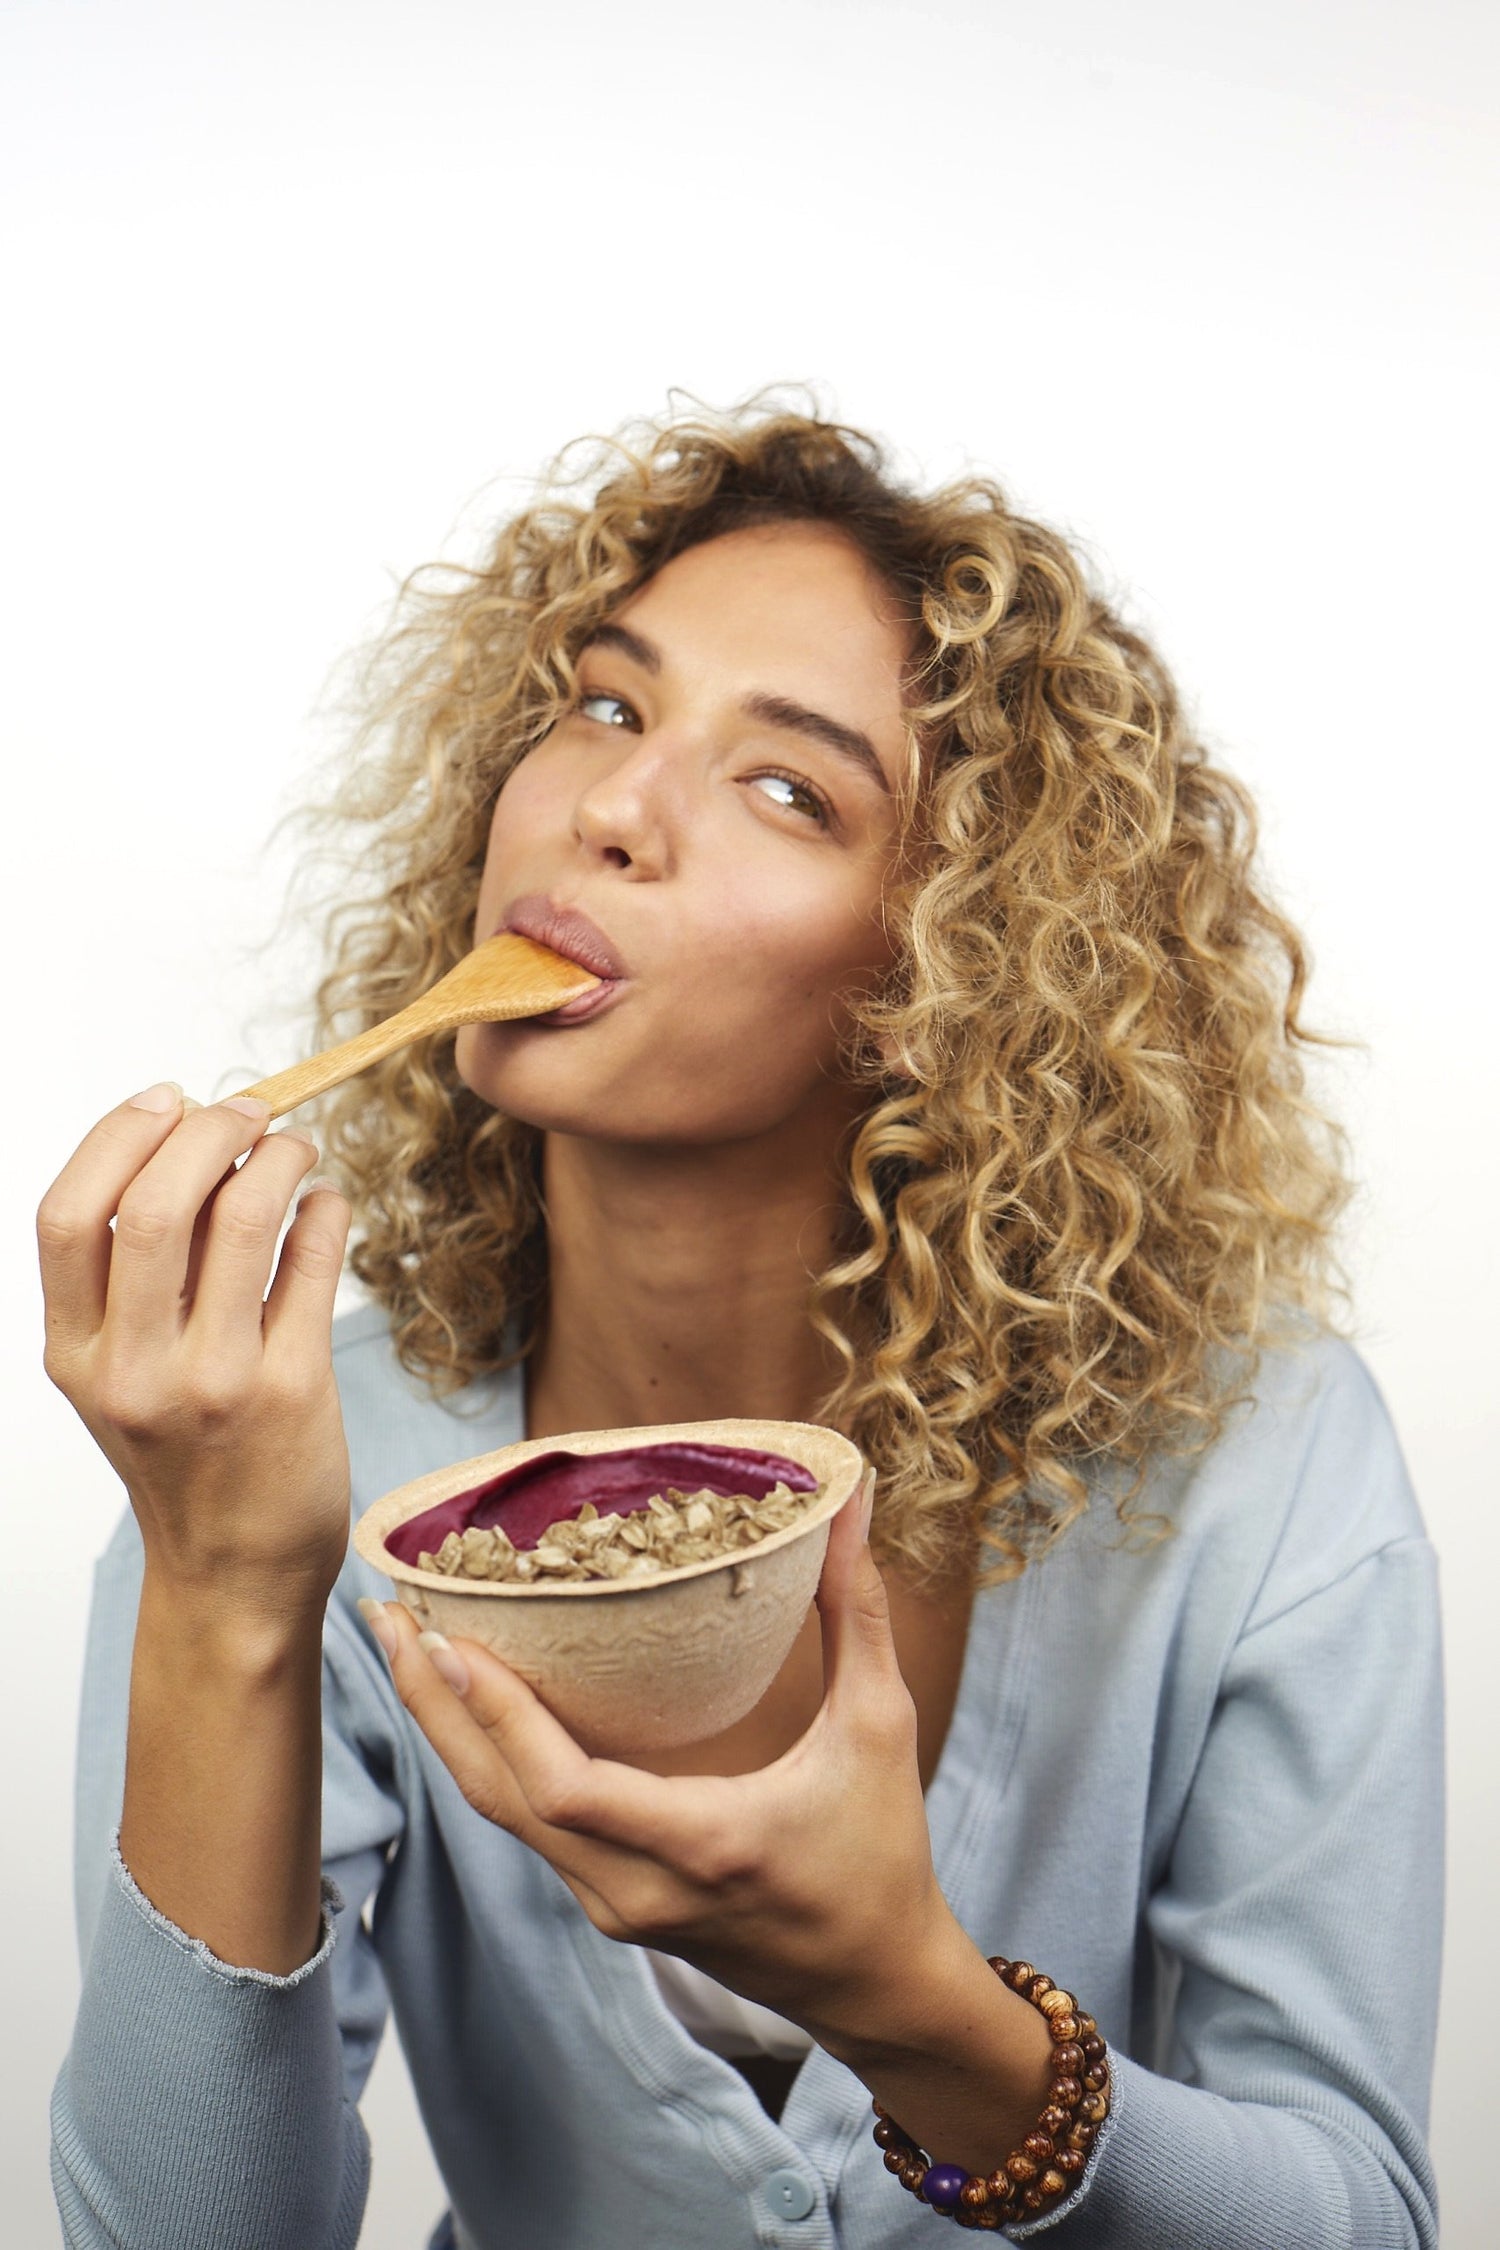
424	1677
157	1210
249	1211
199	1243
518	1764
563	1786
299	1309
74	1242
853	1607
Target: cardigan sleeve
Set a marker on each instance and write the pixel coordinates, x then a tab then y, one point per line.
1301	1918
202	2102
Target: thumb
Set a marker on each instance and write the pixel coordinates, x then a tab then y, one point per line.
851	1596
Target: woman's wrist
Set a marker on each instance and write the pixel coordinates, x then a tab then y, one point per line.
228	1622
1047	2163
943	2045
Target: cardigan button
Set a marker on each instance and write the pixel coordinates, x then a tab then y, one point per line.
790	2195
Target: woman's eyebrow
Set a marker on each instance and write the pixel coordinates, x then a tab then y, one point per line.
771	710
634	645
849	742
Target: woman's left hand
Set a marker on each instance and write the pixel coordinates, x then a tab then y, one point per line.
797	1885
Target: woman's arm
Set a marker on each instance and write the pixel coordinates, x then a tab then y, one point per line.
186	2072
217	1405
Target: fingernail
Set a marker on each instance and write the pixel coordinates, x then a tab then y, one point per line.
295	1133
866	1505
247	1106
161	1097
380	1625
446	1661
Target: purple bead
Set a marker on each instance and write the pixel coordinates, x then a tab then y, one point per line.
944	2185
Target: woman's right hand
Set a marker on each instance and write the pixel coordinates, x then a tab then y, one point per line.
215	1402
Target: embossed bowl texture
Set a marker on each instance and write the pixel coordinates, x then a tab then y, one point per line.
657	1663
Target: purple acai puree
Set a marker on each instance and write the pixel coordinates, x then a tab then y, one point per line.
552	1488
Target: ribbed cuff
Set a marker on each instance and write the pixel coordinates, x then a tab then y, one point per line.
330	1903
1097	2156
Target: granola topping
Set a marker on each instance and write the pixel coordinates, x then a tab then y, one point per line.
672	1529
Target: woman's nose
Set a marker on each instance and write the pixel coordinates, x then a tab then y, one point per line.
636	804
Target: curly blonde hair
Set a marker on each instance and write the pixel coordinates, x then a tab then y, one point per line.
1093	1188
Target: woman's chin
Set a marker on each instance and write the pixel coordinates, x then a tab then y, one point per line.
563	1081
529	1079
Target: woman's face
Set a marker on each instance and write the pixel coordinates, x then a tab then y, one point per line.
721	804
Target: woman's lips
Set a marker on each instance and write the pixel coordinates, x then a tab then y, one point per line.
587	1004
566	930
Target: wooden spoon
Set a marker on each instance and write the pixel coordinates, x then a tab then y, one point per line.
506	977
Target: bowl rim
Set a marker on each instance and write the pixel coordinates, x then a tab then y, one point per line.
845	1471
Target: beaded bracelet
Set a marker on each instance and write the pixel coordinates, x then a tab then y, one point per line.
1049	2161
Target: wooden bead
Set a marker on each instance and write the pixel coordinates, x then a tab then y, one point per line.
885	2134
1036	1988
913	2173
1021	2167
1032	2199
1056	2002
1093	2045
1054	2120
1052	2181
1066	2091
1068	2056
1001	2186
1064	2025
987	2222
1019	1975
1093	2109
963	2218
1071	2161
1039	2147
974	2194
896	2157
1082	2137
1095	2080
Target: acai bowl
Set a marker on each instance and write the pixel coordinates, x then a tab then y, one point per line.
653	1659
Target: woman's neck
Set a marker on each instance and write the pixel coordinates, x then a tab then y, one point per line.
678	1285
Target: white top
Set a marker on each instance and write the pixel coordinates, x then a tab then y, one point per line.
718	2018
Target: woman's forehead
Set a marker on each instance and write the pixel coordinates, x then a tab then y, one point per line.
801	597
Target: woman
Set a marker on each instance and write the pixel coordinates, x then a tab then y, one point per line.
946	1090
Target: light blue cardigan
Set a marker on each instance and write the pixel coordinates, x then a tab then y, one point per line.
1200	1784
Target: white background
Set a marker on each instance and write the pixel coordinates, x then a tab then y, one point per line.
298	296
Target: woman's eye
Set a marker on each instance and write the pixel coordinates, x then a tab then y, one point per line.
815	805
607	710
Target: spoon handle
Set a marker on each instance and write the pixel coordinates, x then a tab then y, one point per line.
288	1089
505	977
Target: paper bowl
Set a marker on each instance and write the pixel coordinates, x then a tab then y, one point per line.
658	1663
